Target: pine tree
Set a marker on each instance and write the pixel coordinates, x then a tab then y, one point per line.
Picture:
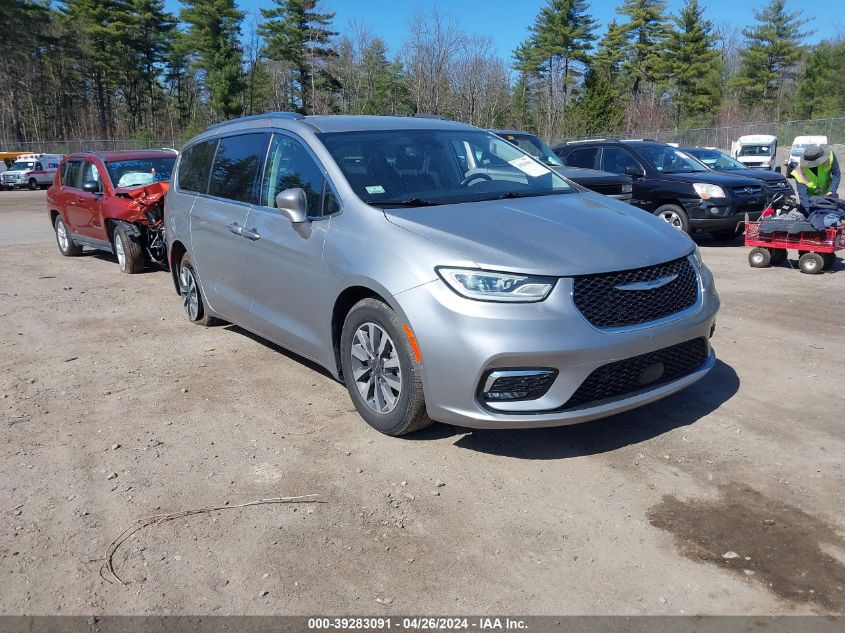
561	38
297	33
770	59
821	90
692	64
611	51
601	107
213	35
648	29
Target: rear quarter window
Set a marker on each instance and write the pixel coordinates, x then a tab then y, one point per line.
195	166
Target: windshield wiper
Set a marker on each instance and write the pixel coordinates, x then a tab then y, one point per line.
410	202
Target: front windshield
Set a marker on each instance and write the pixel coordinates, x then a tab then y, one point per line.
715	159
422	167
798	150
755	150
140	171
668	160
534	146
23	165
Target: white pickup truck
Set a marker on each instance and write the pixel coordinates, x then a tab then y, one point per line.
32	171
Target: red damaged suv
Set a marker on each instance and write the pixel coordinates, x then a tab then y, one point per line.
114	202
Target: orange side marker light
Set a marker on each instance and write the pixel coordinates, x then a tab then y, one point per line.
413	341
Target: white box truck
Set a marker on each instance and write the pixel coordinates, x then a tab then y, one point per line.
756	150
798	146
32	171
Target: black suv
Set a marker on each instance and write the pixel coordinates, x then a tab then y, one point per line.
773	182
673	185
611	185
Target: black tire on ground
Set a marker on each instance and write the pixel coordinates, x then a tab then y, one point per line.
33	184
674	215
728	234
70	248
811	263
191	294
760	257
130	255
778	256
396	364
829	260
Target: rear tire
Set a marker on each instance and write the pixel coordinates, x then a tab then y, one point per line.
67	246
811	263
33	184
673	215
130	255
381	371
760	258
191	294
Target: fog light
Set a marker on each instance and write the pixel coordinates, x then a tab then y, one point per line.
517	384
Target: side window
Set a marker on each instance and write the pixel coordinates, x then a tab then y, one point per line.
289	165
235	172
38	167
195	165
70	173
617	160
582	157
90	173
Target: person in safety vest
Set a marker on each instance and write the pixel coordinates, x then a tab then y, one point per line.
817	174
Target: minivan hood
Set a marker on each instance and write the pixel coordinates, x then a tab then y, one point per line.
710	177
563	235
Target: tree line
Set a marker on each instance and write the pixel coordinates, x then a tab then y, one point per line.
84	69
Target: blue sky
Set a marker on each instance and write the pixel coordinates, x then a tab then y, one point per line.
506	21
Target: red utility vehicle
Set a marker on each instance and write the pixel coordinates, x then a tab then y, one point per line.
114	202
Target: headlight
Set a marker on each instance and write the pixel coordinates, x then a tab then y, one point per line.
485	285
706	191
627	188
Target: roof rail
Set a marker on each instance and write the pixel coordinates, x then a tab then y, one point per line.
294	116
588	140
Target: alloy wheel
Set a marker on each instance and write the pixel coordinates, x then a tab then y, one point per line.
189	292
376	368
118	250
61	235
670	217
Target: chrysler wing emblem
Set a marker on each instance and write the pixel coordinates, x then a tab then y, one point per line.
649	285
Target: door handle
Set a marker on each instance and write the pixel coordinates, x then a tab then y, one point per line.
251	234
235	228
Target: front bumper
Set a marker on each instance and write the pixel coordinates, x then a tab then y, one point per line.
462	340
723	214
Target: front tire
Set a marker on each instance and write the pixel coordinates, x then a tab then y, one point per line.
130	255
673	215
67	246
760	258
381	370
191	294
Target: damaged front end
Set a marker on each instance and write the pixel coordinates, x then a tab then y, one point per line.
145	215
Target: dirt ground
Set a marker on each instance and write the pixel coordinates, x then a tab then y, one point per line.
728	498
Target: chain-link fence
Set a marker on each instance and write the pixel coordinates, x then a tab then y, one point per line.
93	145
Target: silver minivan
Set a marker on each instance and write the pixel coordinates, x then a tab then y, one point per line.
437	270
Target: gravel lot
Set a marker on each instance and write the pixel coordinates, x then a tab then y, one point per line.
727	498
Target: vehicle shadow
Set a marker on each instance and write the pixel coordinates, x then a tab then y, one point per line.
112	259
305	362
601	436
705	240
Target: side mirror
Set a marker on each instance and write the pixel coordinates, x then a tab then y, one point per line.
293	204
91	186
635	170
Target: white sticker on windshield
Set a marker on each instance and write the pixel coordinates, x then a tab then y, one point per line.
374	189
528	166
